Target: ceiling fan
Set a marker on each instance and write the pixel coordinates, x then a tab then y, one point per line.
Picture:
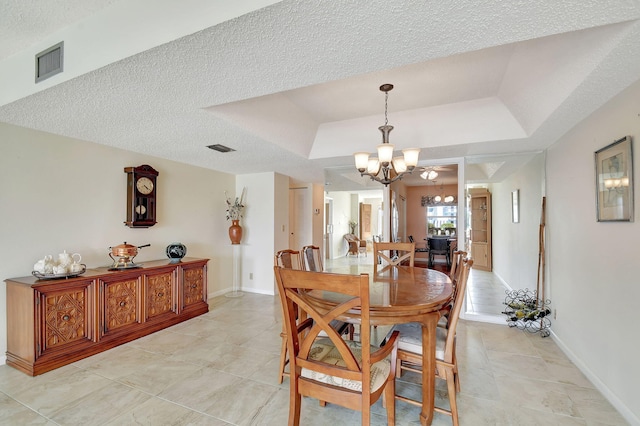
431	172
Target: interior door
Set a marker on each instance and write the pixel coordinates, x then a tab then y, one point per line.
365	221
298	222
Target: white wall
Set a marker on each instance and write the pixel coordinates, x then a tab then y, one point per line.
341	217
592	266
267	211
58	194
355	213
281	220
515	245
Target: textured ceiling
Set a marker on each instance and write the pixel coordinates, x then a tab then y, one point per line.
24	23
293	87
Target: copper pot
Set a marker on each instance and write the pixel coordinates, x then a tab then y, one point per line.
124	251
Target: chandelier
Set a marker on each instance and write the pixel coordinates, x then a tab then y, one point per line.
386	168
438	200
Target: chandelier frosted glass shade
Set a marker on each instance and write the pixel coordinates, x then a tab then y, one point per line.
429	175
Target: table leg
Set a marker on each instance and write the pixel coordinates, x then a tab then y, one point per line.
429	324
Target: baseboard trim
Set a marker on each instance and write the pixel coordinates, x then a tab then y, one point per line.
606	392
493	319
244	290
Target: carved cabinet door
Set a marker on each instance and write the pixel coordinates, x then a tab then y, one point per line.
120	304
64	316
160	295
194	285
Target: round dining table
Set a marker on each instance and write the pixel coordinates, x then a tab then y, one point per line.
401	294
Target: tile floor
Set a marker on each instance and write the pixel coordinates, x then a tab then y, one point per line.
485	295
221	368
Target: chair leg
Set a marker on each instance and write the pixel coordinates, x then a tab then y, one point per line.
294	404
451	389
389	400
456	373
366	414
283	359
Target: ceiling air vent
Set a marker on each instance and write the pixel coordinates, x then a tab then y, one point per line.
220	148
49	62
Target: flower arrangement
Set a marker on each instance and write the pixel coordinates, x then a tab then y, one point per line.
235	208
352	226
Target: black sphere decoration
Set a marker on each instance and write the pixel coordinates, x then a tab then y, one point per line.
176	251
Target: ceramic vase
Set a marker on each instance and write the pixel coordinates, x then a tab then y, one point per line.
176	251
235	232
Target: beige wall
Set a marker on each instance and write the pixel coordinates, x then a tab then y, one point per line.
515	245
58	193
592	273
416	214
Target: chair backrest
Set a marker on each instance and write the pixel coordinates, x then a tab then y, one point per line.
289	259
394	253
353	292
439	245
312	259
454	316
457	257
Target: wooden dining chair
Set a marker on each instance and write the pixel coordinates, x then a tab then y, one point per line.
393	254
410	348
289	259
312	261
343	372
454	275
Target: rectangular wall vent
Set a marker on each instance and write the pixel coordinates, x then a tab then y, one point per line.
220	148
49	62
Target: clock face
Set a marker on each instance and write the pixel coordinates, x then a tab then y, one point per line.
144	185
140	209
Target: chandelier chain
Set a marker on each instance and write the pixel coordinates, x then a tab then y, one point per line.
386	99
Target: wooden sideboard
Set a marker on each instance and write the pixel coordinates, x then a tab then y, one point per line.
51	323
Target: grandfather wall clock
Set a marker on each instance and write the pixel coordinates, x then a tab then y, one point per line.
141	196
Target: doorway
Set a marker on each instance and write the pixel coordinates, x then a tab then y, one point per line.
328	228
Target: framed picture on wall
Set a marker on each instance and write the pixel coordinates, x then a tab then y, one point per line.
614	182
515	206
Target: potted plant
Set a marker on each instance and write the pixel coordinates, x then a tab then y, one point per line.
447	227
